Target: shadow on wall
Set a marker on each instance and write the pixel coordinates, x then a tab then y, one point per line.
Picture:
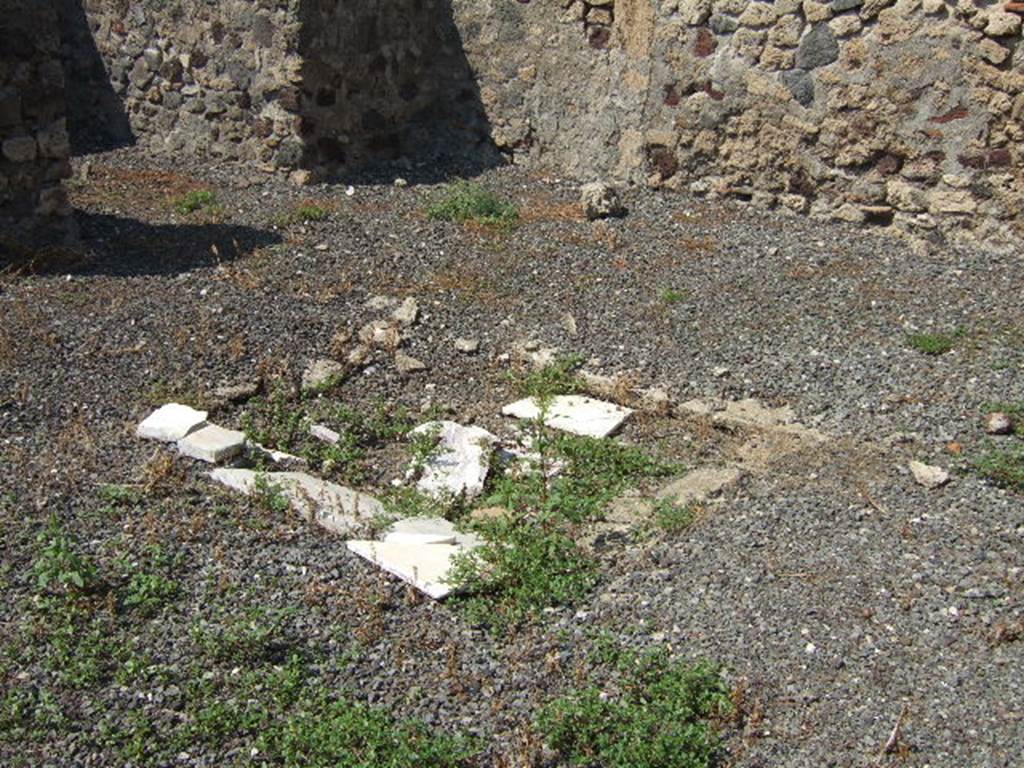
387	89
97	120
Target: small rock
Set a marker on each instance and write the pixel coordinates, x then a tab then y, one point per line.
301	178
927	475
321	373
424	566
569	323
169	423
600	201
358	356
720	372
380	303
408	364
381	334
237	393
467	346
326	434
407	312
334	507
401	183
998	423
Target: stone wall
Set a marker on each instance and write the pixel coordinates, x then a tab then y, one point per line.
34	148
210	78
879	111
903	112
321	84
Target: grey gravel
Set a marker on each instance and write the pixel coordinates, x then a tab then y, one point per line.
833	589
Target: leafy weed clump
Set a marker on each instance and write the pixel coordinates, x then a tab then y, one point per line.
195	200
531	560
560	377
523	568
933	344
60	567
464	201
646	711
1004	467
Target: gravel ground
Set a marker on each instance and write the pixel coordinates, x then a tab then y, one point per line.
835	591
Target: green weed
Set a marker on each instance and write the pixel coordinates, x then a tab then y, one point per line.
647	711
672	296
465	201
523	568
931	343
1004	466
673	518
194	200
149	592
557	378
59	566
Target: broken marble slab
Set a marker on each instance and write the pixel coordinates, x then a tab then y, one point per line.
424	528
424	566
171	422
459	464
577	414
212	443
332	506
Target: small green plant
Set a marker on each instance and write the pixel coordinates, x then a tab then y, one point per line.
673	518
255	635
269	496
311	212
672	296
557	378
148	592
275	421
465	201
422	446
329	731
931	343
59	566
646	711
118	495
523	568
194	200
1004	467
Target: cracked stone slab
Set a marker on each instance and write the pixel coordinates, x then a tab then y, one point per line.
459	464
577	414
332	506
425	528
212	443
171	422
424	566
700	485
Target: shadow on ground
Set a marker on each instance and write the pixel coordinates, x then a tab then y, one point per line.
112	245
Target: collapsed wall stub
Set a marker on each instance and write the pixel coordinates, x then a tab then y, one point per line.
903	112
34	149
316	84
